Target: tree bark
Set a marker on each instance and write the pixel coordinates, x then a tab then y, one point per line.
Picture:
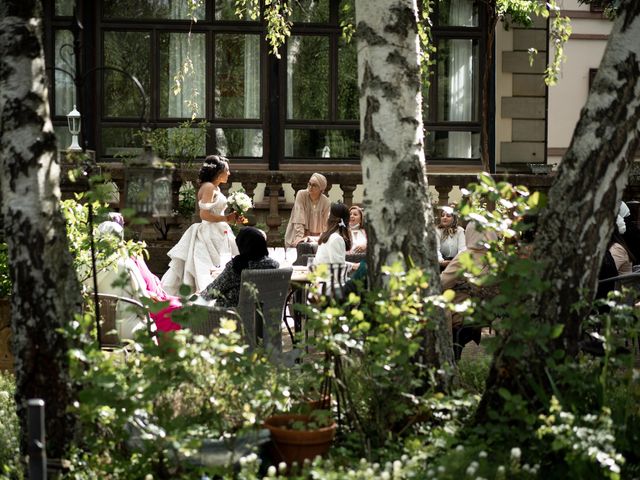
574	230
46	293
399	215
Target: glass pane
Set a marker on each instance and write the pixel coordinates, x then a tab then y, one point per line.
458	81
308	77
128	51
186	144
239	142
65	59
169	9
64	8
226	10
458	13
120	142
348	96
237	77
64	136
347	12
452	145
322	143
191	99
311	11
180	145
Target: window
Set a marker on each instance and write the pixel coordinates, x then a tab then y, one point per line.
322	101
451	110
302	108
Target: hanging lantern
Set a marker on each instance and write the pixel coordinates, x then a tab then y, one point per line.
148	185
74	124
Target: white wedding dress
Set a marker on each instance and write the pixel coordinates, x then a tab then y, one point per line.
202	247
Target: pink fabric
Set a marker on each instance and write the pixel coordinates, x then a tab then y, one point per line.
163	317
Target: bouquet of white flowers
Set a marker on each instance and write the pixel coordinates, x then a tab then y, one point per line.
239	202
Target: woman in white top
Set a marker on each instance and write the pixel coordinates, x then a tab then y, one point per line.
358	233
204	245
336	241
449	236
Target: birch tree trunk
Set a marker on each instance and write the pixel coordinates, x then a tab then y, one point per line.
46	293
574	230
399	216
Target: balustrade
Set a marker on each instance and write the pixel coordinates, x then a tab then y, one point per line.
274	209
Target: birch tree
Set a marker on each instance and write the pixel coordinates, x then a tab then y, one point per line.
46	293
399	215
574	230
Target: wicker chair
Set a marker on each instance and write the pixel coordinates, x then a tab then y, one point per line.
206	326
111	306
262	299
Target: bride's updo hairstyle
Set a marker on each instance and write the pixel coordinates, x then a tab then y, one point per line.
213	166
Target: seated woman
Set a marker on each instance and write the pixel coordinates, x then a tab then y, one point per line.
451	278
449	236
358	233
252	244
119	276
139	283
309	214
334	243
203	244
621	253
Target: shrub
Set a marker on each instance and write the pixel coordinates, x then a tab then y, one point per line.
10	467
149	412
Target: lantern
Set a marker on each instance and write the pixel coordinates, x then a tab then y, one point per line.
73	120
148	185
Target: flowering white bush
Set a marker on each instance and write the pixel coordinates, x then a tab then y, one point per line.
239	202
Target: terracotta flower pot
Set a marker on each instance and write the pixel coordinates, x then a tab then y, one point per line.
297	445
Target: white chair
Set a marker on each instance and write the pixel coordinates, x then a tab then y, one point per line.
260	305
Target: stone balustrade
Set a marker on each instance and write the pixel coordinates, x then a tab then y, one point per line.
273	209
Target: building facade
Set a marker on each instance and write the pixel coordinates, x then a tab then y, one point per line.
211	85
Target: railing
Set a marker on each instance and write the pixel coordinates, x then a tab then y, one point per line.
273	209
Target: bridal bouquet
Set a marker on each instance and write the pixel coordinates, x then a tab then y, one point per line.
239	202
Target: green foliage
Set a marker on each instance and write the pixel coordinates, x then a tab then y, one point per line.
148	412
187	201
277	17
521	12
108	248
586	442
10	465
372	360
181	145
5	278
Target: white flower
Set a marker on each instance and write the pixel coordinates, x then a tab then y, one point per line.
516	453
239	202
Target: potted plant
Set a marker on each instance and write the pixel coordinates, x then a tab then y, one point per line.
297	436
6	357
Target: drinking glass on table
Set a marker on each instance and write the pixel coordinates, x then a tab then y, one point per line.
310	264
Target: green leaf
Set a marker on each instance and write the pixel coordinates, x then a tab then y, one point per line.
556	330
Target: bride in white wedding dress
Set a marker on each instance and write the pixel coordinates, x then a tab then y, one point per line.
204	245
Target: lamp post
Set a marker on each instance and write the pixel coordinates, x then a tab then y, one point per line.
73	119
74	123
147	185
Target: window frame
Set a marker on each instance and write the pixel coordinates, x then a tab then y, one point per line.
431	123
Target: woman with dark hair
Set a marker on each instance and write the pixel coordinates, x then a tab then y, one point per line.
252	244
204	244
336	240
